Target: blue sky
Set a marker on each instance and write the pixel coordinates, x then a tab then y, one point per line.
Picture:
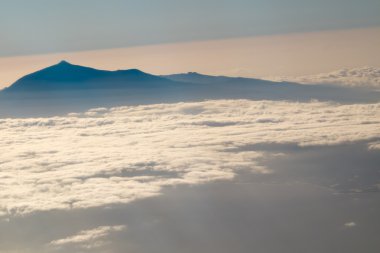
45	26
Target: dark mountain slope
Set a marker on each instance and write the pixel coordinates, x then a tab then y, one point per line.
194	77
66	76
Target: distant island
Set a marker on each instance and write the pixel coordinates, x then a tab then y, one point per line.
65	87
67	76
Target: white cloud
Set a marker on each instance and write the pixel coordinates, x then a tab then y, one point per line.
374	145
88	239
117	155
357	77
350	224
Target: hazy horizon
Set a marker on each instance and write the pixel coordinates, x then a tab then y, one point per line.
240	38
247	57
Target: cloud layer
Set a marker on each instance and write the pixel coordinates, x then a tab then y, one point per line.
110	156
357	77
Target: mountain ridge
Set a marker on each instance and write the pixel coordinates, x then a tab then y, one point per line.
65	75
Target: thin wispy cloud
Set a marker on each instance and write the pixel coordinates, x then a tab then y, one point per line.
112	156
87	239
350	224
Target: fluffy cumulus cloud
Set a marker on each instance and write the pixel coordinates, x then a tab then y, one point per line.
87	239
357	77
111	156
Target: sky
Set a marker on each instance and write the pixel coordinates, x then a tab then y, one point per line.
29	27
156	36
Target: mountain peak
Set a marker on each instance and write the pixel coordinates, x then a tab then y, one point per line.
64	65
195	74
63	62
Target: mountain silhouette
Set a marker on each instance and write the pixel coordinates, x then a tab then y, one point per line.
194	77
67	76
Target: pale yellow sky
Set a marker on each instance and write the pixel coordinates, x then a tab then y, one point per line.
277	55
